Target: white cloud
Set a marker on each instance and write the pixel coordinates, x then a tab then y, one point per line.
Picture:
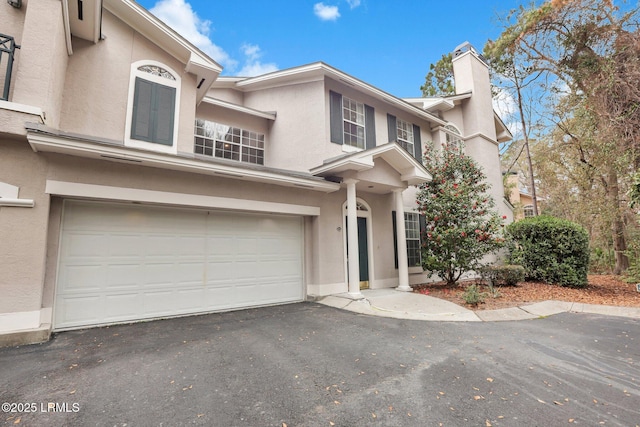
505	105
327	13
252	65
353	3
179	15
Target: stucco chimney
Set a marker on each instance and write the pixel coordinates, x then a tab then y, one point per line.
471	74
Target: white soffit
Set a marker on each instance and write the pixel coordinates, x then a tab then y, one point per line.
85	18
74	147
397	157
239	108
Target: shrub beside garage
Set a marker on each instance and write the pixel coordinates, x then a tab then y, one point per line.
551	250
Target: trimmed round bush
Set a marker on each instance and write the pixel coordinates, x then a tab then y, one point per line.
551	250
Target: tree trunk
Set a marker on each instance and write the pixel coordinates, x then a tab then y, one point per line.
617	225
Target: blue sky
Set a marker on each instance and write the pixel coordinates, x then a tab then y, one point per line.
389	44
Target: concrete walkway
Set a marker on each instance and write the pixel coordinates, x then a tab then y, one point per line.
414	306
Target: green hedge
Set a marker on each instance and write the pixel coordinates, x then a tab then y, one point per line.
551	250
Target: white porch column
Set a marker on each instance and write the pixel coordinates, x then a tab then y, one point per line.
352	239
403	267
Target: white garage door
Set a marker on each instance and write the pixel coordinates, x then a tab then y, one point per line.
126	262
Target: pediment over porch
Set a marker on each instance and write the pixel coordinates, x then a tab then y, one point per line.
380	169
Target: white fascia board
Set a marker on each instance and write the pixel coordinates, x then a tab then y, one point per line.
358	164
123	194
54	144
432	104
415	176
292	75
67	26
17	203
239	108
22	108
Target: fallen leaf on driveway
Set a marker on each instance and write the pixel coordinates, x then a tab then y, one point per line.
490	380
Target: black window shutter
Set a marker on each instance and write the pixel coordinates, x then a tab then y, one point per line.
141	121
417	143
369	127
395	239
335	117
423	227
393	128
164	114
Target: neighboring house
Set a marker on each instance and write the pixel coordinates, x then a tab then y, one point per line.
136	183
521	200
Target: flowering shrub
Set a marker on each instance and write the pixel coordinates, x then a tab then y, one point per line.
461	225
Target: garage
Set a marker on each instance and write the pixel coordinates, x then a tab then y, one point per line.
128	262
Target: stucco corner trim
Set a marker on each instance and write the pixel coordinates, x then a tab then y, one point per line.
22	108
122	194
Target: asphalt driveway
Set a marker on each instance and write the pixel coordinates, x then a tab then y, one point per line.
312	365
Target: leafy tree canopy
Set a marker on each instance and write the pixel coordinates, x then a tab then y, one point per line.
439	80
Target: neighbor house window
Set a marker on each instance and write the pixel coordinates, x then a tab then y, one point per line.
228	142
412	231
352	122
528	211
152	108
453	138
406	134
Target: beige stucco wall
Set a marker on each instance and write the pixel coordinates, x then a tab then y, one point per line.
23	230
298	139
40	71
97	84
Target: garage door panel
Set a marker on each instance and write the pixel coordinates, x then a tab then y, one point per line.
121	306
123	262
122	276
73	310
83	277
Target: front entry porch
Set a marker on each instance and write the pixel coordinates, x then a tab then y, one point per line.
387	169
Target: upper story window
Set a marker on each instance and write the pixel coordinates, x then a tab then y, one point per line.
152	113
352	123
353	115
406	134
453	137
227	142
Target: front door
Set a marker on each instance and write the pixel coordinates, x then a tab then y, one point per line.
363	252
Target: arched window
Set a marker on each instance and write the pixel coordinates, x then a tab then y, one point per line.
152	110
453	137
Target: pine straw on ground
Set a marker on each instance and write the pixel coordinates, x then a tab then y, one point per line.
602	289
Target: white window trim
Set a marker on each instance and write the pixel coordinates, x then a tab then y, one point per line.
452	132
351	148
406	212
409	130
134	143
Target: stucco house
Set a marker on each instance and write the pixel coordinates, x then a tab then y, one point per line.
520	197
137	183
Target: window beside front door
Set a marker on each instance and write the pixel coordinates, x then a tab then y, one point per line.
352	123
414	225
152	113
